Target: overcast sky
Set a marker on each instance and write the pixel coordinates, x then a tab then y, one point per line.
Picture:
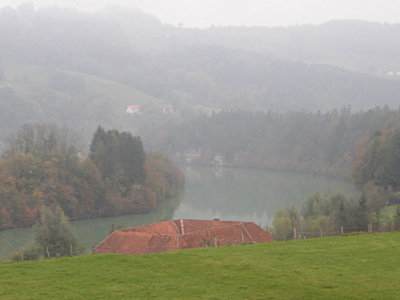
204	13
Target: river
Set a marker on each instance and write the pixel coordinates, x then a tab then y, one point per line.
227	194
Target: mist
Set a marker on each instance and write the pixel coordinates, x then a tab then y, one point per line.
102	103
202	14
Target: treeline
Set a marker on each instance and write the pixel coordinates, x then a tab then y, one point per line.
318	143
39	169
375	172
331	215
378	160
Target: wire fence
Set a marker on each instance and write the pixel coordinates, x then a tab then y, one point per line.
322	232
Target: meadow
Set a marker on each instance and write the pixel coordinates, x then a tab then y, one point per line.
347	267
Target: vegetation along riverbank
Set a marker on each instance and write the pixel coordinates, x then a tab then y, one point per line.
42	167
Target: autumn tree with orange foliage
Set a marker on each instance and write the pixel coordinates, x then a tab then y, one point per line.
39	169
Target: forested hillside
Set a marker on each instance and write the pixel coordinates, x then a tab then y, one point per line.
352	44
84	69
322	143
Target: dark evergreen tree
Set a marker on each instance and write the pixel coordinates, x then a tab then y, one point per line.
98	136
132	158
363	213
139	160
118	155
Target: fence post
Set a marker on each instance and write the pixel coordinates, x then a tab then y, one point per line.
341	229
48	253
70	250
294	233
215	242
369	227
320	231
22	253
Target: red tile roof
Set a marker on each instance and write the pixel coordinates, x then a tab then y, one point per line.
182	234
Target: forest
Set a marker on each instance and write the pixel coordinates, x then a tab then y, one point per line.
41	167
358	146
321	143
85	69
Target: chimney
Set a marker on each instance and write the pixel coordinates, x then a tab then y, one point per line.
182	227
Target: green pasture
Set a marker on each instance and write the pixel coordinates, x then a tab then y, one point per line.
349	267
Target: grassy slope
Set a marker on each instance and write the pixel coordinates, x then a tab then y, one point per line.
351	267
99	102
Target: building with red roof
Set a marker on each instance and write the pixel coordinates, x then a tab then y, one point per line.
133	109
182	234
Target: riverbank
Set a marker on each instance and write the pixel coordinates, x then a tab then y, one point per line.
251	195
348	267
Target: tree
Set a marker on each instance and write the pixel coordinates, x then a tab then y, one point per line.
285	220
118	155
98	137
396	218
376	199
54	235
362	213
41	140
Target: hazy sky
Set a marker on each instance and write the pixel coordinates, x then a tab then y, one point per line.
203	13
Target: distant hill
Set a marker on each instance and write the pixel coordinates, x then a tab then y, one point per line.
84	69
31	94
356	45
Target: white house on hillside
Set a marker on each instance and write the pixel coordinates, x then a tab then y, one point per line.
133	109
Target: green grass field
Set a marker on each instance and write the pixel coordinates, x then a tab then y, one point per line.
348	267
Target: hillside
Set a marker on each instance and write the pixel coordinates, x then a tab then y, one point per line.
352	44
83	69
320	143
32	93
349	267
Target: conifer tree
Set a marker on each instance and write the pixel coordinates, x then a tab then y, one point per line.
363	213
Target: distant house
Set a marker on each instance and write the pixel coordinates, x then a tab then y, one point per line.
133	109
182	234
393	73
165	108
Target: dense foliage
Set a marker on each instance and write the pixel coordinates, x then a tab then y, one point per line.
54	237
379	160
36	173
334	214
295	141
118	155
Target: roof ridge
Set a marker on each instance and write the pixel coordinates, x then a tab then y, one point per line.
176	227
248	234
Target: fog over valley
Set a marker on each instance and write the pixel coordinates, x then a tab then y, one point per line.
105	105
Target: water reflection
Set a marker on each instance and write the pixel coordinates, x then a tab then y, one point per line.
92	231
230	194
249	194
